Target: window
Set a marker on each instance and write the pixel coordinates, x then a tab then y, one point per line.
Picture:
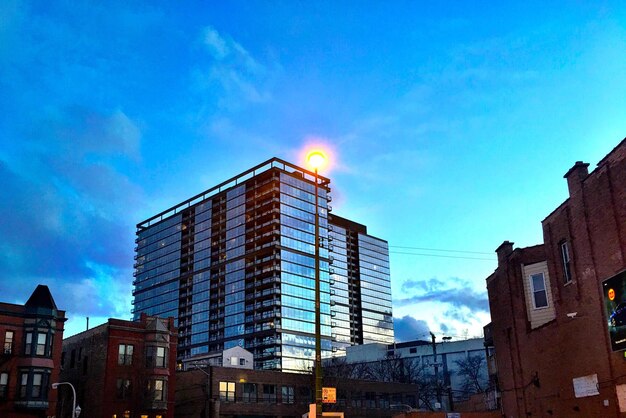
85	365
73	359
538	288
37	382
565	258
23	384
269	393
124	388
4	384
8	342
41	344
29	343
160	357
413	350
125	355
242	361
227	391
63	359
249	392
159	390
287	394
156	357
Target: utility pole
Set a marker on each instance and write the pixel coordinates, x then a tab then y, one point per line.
437	388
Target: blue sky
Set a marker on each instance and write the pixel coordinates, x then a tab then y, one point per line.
450	126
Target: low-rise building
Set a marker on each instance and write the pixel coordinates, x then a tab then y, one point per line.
228	392
31	336
555	307
122	369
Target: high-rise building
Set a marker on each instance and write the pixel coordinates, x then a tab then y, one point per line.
235	265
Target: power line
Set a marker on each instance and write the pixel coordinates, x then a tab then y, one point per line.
442	256
437	249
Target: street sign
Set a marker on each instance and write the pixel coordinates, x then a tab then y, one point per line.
329	395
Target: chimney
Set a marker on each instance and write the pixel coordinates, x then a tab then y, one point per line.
503	251
575	176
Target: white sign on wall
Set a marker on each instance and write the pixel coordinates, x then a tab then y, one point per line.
586	386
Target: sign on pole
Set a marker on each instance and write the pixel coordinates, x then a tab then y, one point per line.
329	395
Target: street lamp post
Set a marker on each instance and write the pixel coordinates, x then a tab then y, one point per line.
75	409
316	159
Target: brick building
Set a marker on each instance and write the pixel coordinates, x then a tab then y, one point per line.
31	336
227	392
122	369
548	306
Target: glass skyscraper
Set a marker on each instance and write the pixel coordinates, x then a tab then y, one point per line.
235	266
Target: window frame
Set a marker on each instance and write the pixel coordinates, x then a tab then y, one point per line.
566	261
9	338
124	355
226	392
124	389
534	291
4	387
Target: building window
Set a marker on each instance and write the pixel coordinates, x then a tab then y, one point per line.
125	355
288	394
269	393
37	383
63	359
242	361
160	357
159	390
124	388
227	391
249	392
566	260
156	357
41	344
23	384
538	288
73	359
85	365
4	384
412	350
29	343
8	342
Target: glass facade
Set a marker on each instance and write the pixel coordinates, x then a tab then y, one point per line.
236	266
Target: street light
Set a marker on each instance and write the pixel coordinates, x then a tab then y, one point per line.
75	409
317	159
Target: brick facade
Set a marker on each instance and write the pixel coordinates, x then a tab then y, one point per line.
31	337
281	395
114	382
584	245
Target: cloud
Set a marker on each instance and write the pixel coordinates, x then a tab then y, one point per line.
456	292
234	70
65	205
408	328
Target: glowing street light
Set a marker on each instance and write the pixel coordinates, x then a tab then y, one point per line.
317	159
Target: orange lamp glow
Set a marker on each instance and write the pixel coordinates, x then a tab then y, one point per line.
316	159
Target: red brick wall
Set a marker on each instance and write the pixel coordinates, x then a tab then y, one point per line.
593	222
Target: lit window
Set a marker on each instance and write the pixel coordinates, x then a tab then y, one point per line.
538	287
159	390
8	342
566	260
227	391
125	355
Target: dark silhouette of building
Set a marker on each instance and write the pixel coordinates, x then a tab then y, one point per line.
122	369
229	392
235	266
554	307
30	358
